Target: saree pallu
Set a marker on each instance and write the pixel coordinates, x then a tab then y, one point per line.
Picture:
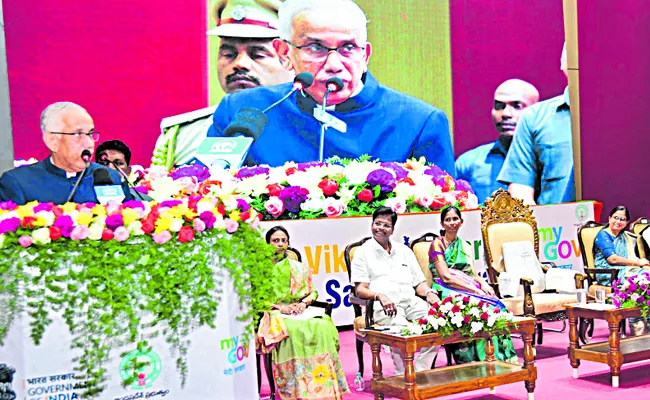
458	257
305	356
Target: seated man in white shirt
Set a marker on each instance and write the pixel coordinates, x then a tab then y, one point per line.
388	272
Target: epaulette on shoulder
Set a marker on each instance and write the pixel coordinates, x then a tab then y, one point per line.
187	117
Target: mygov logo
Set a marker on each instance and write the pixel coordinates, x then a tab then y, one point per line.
148	372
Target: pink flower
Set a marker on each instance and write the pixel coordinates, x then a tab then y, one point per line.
113	208
333	207
274	206
25	240
199	225
424	201
189	183
162	237
121	234
80	232
231	226
396	205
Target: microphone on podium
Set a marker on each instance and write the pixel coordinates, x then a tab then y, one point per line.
85	156
105	189
245	128
333	84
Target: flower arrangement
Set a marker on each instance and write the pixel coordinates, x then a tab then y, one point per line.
124	273
464	314
340	187
633	292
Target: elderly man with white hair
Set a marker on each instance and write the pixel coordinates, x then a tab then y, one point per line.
329	39
68	131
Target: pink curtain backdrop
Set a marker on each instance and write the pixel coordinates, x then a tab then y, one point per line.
492	41
129	63
614	96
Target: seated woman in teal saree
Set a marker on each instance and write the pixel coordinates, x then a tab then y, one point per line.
304	351
452	266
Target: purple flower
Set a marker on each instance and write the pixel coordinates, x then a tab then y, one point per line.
133	204
65	224
617	303
141	189
247	172
9	225
437	175
9	205
648	302
114	221
304	166
208	218
292	197
243	205
640	300
463	185
170	203
400	172
632	288
200	172
383	178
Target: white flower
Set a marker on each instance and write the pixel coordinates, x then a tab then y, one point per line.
404	190
476	326
164	189
345	193
416	329
357	172
176	225
442	322
135	228
313	204
472	202
445	308
491	320
457	319
253	186
48	216
41	236
95	231
475	312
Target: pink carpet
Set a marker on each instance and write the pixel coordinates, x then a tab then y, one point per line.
554	380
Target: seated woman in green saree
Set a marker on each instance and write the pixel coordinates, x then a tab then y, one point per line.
304	351
452	266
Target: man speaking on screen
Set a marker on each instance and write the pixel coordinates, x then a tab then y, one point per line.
328	39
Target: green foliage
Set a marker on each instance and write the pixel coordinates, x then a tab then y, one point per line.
112	294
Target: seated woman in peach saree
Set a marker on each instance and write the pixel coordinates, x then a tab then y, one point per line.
304	350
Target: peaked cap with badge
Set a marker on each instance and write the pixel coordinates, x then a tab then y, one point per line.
246	18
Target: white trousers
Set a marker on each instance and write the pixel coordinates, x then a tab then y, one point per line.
408	309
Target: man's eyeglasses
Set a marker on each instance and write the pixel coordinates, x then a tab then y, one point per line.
382	225
619	219
78	135
318	52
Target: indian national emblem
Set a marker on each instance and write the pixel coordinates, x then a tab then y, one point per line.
239	12
582	211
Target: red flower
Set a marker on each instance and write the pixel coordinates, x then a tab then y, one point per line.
407	180
496	310
446	300
222	209
192	202
245	215
291	171
57	211
148	226
449	183
466	300
107	234
432	311
480	304
440	315
365	195
467	319
28	222
435	305
274	189
455	308
439	201
186	234
484	316
329	186
423	321
206	186
55	233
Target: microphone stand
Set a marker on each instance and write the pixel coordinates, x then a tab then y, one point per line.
323	127
126	178
76	185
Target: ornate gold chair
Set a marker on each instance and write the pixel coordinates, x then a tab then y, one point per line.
360	321
506	219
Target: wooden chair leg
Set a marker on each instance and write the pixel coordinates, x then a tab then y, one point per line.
269	373
360	355
259	373
449	356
